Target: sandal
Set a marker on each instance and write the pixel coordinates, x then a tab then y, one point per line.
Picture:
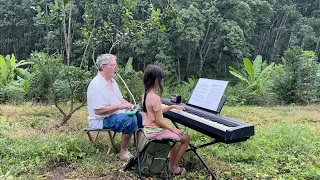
127	156
182	171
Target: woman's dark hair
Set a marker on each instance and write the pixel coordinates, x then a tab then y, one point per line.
152	74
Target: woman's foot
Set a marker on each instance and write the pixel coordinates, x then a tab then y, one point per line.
179	171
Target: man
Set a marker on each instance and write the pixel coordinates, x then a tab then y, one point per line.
107	106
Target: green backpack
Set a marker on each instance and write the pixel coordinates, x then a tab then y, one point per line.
153	155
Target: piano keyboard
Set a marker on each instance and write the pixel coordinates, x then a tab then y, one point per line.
219	127
199	119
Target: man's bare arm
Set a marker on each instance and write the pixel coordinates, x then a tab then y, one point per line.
108	109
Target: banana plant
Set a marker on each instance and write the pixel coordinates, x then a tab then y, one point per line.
10	69
256	74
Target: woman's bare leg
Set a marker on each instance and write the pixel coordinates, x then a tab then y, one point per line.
184	139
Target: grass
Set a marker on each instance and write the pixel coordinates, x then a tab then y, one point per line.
285	146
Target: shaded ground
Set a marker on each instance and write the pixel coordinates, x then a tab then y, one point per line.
62	172
59	172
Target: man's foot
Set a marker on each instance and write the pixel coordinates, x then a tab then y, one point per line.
179	171
126	155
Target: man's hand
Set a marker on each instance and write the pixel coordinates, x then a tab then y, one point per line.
127	106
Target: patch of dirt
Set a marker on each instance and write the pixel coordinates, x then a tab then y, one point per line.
64	171
58	172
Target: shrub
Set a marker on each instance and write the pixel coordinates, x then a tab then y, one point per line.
14	94
75	80
2	93
38	83
62	90
51	80
45	71
239	95
296	81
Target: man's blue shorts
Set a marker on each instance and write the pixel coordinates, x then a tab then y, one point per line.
123	123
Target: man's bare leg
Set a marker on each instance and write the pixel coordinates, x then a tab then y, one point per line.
125	138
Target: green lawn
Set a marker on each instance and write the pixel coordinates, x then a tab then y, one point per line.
285	146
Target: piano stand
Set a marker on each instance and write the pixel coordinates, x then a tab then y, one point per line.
194	148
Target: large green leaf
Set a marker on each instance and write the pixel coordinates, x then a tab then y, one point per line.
257	66
22	63
129	67
240	76
249	67
3	70
13	62
234	70
266	71
20	72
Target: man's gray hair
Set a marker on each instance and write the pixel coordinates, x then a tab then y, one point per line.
104	59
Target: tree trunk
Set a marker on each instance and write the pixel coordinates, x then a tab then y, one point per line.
66	117
264	46
302	43
179	71
289	44
318	47
204	50
277	38
67	36
188	64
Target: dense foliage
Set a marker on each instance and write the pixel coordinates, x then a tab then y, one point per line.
189	40
199	38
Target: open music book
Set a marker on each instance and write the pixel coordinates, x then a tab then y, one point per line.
207	94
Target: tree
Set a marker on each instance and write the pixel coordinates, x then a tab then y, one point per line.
74	77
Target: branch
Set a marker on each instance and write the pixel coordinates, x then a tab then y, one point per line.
78	107
113	45
205	38
94	62
60	109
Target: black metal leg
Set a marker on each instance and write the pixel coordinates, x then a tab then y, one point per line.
138	153
168	170
193	149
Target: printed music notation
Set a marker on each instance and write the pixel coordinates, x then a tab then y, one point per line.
208	93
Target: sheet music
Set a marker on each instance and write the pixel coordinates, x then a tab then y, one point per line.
208	93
